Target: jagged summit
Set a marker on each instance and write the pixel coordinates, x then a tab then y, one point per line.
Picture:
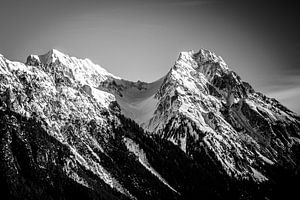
55	52
51	56
47	58
83	71
54	55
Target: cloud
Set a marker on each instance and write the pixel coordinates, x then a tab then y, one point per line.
288	97
285	94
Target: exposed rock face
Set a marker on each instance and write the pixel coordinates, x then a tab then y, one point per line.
71	129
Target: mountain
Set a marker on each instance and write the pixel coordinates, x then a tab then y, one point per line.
70	129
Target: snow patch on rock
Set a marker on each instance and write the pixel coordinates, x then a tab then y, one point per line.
140	154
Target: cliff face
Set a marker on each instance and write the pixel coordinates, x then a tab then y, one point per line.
71	129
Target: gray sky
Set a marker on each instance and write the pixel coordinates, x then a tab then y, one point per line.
140	40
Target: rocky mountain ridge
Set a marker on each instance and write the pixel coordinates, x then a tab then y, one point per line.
198	131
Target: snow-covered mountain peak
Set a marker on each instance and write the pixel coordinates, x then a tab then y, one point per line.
55	53
206	128
47	58
202	98
204	55
83	71
203	61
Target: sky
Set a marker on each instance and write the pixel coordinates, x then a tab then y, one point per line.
141	40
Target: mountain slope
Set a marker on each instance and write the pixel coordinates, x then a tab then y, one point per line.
69	128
